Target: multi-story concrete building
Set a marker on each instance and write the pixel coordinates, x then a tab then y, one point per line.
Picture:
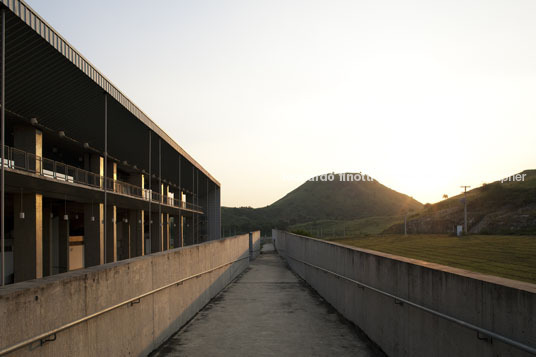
88	178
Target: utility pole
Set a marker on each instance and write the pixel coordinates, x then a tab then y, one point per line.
465	207
405	224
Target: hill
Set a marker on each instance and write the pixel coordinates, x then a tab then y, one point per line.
321	200
501	207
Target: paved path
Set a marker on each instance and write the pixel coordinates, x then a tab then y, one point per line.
267	311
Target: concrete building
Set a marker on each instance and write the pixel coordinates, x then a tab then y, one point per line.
88	178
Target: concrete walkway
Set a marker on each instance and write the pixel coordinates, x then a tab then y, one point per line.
267	311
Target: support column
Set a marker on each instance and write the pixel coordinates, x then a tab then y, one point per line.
111	234
137	180
94	163
112	173
63	244
193	227
47	241
164	191
188	237
214	213
28	237
123	237
137	240
29	139
165	230
180	231
93	234
157	242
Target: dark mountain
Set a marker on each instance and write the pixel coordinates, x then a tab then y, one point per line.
321	200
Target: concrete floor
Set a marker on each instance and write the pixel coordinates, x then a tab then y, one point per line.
268	311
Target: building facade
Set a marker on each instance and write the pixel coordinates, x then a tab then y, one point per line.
87	177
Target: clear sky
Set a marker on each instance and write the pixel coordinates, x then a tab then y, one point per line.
424	96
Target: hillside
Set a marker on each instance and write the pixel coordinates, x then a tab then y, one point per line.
495	208
321	200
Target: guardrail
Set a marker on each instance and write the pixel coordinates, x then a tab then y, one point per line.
51	334
17	159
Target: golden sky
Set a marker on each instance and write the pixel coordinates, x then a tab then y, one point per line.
424	96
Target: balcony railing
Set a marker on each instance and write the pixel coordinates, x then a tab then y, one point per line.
17	159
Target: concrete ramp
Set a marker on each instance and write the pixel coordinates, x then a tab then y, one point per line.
268	311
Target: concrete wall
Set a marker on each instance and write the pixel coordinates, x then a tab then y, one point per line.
254	244
499	305
34	307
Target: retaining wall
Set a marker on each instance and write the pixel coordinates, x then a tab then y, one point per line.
30	308
254	244
502	306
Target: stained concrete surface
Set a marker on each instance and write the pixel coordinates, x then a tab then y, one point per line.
268	311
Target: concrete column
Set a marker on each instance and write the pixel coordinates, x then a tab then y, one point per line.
137	240
137	180
95	164
165	230
193	228
157	242
29	139
180	231
187	230
63	244
111	234
112	173
93	234
28	237
123	238
214	213
47	241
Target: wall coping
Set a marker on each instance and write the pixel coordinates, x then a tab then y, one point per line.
514	284
83	273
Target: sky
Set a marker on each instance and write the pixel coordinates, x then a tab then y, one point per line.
424	96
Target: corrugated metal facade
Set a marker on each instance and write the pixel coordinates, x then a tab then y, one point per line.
41	27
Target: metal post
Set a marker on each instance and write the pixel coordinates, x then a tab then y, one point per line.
465	207
465	211
105	174
3	99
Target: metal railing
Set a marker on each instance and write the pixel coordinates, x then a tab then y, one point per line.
51	334
399	300
17	159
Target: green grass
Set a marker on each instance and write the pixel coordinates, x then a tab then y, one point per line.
339	228
512	257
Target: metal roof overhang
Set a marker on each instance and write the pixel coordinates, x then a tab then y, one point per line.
48	79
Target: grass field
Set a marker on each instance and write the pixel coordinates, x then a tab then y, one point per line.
512	257
339	228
